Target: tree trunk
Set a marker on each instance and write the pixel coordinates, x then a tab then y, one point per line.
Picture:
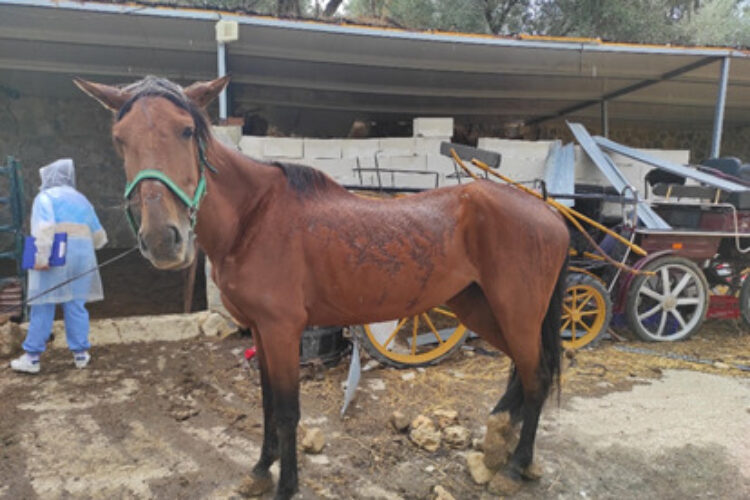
331	7
286	8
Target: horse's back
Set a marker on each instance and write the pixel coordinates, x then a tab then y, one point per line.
431	244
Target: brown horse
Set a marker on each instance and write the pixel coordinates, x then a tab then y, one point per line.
290	248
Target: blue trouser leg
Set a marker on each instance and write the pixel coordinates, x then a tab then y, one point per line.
76	325
41	317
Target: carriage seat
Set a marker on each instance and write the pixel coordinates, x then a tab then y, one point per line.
467	153
730	166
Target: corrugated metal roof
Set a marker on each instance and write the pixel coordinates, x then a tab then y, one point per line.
367	70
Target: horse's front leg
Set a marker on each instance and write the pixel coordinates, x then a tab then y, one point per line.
280	346
260	480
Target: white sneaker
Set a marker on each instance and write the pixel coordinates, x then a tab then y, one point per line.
81	359
25	364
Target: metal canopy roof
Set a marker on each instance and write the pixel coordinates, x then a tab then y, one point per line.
362	70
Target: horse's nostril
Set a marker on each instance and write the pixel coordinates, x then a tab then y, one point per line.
176	235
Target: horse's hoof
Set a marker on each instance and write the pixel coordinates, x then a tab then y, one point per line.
532	473
497	444
254	485
502	484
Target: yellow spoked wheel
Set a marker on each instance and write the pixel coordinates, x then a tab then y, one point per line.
416	340
587	311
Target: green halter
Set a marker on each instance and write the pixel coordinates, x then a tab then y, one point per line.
193	203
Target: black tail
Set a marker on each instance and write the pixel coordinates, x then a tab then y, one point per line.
549	365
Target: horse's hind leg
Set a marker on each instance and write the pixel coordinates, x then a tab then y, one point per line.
504	319
475	313
531	330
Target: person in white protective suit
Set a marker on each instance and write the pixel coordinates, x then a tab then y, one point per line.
60	208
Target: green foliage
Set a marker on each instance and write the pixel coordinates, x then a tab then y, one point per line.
685	22
689	22
471	16
272	7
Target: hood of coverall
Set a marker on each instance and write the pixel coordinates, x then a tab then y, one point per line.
58	173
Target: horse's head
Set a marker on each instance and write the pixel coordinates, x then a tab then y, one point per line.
160	130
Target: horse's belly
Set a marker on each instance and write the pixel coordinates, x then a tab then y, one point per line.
364	295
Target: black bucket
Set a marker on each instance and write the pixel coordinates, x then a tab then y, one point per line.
326	344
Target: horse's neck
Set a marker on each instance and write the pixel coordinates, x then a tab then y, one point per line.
232	194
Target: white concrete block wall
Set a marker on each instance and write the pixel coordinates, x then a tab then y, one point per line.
342	170
402	162
398	146
283	148
252	146
365	161
229	135
362	148
433	127
521	160
429	145
444	166
322	148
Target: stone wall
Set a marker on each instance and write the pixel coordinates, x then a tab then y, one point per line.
38	131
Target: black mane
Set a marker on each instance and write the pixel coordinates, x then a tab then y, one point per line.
152	86
306	180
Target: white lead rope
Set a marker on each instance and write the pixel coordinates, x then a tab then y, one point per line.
89	271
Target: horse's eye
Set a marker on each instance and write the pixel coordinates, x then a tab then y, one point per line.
187	133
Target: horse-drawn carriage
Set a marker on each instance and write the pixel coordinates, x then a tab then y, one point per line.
693	264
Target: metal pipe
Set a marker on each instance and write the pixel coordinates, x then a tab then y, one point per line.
605	119
221	53
721	100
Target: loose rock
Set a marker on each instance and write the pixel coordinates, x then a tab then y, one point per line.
217	325
445	418
441	493
457	437
424	434
421	420
314	441
479	472
370	365
399	421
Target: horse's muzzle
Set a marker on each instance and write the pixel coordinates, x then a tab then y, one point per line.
167	247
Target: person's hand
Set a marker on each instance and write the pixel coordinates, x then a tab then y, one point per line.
42	267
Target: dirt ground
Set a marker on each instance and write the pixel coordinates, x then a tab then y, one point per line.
183	420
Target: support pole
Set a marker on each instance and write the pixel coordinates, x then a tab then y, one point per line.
605	119
721	100
221	53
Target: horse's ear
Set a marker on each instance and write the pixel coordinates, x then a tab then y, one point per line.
202	93
110	97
